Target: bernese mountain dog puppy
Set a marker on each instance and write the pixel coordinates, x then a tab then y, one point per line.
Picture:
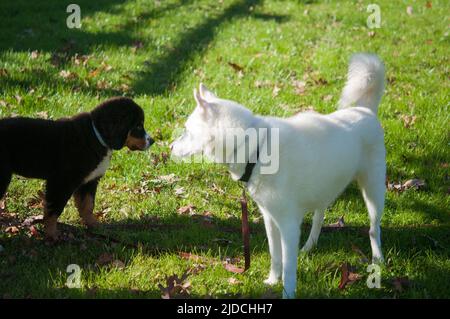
70	154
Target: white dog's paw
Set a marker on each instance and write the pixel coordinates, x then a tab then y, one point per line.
379	260
306	248
288	294
272	280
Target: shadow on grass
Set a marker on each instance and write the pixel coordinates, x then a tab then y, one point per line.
30	263
42	26
163	75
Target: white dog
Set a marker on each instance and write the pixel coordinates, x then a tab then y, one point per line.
319	155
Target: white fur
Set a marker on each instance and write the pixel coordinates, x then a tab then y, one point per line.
319	156
100	169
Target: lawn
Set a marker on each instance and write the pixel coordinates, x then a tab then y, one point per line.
255	52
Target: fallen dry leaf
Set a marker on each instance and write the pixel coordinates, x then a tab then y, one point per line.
37	202
94	73
335	226
18	98
189	256
30	221
81	59
299	87
409	10
327	98
105	259
234	281
188	209
276	90
12	230
175	287
408	120
262	83
67	75
118	264
414	183
236	67
166	179
234	269
42	115
33	231
3	103
34	54
179	191
102	85
411	183
400	283
348	276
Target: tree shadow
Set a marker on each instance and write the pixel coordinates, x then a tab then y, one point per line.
163	75
30	261
42	26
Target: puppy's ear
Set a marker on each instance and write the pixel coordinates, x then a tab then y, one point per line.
205	93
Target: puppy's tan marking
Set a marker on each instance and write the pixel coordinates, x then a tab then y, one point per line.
50	230
134	143
85	206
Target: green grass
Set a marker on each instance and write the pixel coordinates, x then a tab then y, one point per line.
158	52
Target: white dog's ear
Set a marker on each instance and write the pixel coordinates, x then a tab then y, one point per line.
205	93
202	104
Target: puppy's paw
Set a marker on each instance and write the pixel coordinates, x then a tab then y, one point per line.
52	236
91	222
51	233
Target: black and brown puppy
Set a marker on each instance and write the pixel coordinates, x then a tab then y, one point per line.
71	154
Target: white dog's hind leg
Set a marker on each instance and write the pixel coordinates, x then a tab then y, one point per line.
273	237
315	230
290	237
373	190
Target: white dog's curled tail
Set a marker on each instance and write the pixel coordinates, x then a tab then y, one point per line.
365	82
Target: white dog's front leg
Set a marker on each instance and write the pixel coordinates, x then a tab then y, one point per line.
290	237
273	237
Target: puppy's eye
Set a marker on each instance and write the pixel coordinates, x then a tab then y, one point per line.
139	127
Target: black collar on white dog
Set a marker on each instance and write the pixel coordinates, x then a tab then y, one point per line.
249	168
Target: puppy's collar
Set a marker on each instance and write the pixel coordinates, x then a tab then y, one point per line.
99	137
249	168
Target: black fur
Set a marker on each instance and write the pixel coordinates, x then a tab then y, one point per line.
65	151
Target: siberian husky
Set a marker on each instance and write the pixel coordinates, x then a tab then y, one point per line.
317	156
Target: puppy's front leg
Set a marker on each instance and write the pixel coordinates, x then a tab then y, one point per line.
273	237
290	237
84	198
56	197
